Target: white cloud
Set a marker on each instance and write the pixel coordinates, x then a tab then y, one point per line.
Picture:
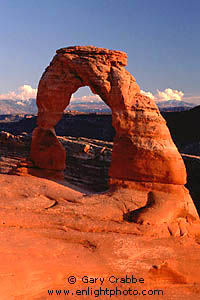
167	94
24	92
89	98
148	94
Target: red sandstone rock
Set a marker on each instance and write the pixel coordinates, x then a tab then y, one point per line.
143	149
50	231
46	151
144	145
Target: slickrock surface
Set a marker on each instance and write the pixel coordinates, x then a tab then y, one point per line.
144	157
50	231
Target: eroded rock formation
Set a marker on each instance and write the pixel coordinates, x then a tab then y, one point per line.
144	156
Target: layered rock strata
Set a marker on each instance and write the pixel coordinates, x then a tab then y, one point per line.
144	155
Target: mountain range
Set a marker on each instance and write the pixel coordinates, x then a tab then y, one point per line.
174	105
29	106
9	107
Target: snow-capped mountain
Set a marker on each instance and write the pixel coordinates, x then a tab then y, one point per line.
18	106
174	105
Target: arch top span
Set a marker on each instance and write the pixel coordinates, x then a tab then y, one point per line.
102	54
73	67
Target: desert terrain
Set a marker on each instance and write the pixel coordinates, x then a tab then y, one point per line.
88	216
55	228
99	150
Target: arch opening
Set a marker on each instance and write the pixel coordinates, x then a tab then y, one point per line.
83	100
86	126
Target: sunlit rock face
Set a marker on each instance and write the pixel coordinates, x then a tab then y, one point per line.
143	148
144	156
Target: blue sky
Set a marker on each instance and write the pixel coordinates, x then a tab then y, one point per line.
161	39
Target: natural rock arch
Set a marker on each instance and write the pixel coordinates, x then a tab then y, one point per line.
144	155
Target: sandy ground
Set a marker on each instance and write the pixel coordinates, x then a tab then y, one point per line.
52	230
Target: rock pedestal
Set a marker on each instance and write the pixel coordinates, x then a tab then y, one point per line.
144	153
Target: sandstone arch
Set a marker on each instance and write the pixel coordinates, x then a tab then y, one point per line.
144	155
